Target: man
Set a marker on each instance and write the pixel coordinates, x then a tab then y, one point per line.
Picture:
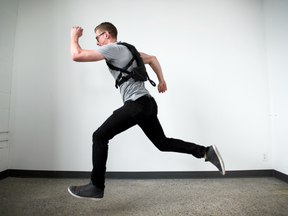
139	108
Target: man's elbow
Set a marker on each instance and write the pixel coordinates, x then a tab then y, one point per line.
148	59
75	58
152	60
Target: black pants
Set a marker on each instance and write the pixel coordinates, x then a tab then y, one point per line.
142	112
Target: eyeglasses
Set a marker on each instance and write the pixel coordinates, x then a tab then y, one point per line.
99	36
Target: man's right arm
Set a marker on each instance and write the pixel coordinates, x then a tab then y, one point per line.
77	53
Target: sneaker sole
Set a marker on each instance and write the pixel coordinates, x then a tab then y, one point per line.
220	159
79	197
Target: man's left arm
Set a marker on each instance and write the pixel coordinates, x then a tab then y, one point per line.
77	53
156	67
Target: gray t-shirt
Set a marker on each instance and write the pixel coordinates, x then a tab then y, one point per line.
119	56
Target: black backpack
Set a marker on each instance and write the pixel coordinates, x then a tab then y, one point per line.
138	73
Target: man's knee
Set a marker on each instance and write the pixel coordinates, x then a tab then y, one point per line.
163	145
98	136
102	136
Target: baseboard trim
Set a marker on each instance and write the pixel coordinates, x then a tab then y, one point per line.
144	175
47	174
185	175
280	176
4	174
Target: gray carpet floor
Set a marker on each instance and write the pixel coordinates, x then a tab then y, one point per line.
241	196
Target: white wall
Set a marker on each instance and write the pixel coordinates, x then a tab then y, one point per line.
276	22
213	56
8	19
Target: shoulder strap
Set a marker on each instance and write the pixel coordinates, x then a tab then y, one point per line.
121	69
135	53
139	59
136	56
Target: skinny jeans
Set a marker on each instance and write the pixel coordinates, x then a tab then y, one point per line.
142	112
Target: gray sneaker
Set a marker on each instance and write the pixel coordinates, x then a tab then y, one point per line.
86	191
213	156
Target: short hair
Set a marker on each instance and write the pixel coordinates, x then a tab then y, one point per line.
106	26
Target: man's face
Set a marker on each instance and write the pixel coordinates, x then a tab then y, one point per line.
100	37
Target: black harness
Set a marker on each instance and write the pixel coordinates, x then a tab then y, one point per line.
138	73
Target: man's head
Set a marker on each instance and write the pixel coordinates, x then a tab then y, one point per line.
105	30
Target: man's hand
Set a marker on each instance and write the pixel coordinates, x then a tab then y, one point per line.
76	32
162	87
